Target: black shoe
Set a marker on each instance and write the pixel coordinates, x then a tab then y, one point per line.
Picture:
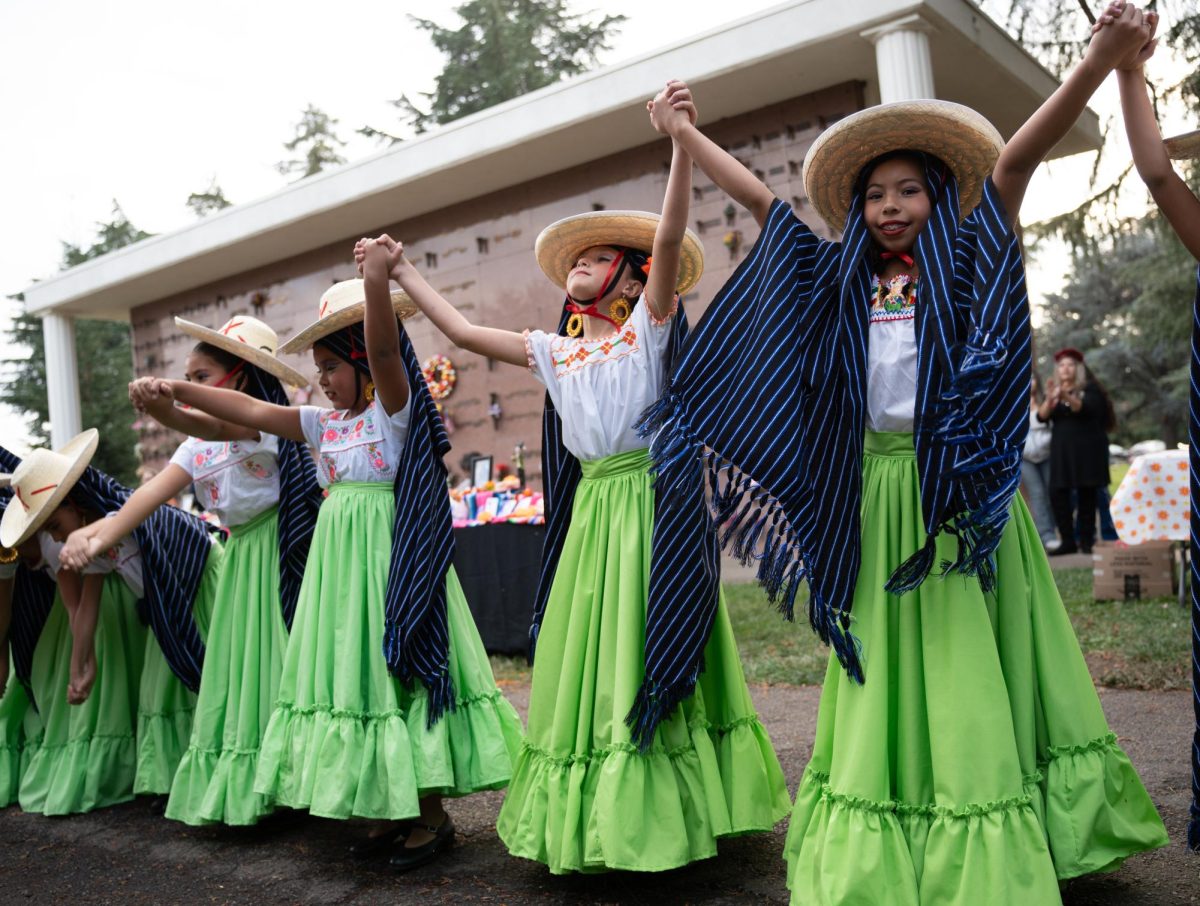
158	805
1062	550
406	858
373	847
1085	548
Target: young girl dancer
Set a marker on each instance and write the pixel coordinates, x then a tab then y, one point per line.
1181	208
379	597
265	490
961	754
597	786
83	755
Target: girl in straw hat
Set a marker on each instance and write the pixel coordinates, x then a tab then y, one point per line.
84	754
169	562
643	744
961	752
265	490
387	700
1152	156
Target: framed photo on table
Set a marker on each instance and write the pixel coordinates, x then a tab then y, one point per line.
481	471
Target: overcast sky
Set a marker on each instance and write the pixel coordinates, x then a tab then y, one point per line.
147	102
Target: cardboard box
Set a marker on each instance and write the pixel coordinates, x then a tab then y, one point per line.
1122	572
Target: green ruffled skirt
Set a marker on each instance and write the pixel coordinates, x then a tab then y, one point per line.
86	756
14	755
975	762
347	739
165	704
242	663
583	798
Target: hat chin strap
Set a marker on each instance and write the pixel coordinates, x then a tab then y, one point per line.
588	306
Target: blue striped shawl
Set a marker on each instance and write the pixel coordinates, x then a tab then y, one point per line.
767	405
174	546
561	473
1194	483
33	596
416	639
300	496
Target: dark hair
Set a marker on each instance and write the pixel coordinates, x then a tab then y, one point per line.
222	357
921	161
1110	413
253	380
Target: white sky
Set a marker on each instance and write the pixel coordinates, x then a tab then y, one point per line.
146	102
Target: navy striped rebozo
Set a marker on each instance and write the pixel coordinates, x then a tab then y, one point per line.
174	547
416	640
767	407
1194	572
33	596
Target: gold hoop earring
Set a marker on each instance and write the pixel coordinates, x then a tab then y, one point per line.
8	555
369	392
620	310
575	325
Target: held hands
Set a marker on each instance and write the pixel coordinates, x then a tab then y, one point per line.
1123	37
152	396
672	109
82	548
385	245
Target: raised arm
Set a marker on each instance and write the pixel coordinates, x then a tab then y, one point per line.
718	164
86	544
1114	44
502	345
144	395
1170	192
668	238
6	596
381	331
239	408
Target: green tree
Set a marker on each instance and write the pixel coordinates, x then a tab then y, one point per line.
104	355
502	49
210	200
317	143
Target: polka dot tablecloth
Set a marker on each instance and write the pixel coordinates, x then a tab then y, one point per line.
1151	503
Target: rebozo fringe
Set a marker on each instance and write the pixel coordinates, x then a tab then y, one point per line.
438	685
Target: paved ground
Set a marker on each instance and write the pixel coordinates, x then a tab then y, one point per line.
125	855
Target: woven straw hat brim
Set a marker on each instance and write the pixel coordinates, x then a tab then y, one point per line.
960	137
559	244
1183	147
257	357
18	523
351	314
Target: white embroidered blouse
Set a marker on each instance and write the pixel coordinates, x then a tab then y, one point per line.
235	480
601	387
892	355
124	558
363	447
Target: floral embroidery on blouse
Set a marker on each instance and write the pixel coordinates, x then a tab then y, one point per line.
659	322
349	433
895	300
571	354
256	468
212	455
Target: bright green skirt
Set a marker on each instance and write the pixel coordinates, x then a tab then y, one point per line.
242	663
165	704
87	754
14	705
583	797
347	739
975	762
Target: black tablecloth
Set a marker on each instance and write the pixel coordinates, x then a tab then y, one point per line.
498	567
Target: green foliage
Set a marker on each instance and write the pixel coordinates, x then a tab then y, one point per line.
210	200
503	49
317	142
104	356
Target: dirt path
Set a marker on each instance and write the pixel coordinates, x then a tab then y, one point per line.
125	855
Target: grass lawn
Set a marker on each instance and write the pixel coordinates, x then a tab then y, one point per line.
1138	645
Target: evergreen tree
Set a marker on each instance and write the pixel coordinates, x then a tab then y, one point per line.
503	49
317	142
104	355
211	199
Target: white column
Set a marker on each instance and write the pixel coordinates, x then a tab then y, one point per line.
902	59
62	378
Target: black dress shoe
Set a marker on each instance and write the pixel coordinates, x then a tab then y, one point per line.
377	845
406	858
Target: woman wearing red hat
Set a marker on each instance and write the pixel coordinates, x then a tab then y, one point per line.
1081	414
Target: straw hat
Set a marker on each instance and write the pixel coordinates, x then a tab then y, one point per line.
963	139
1183	147
559	245
341	305
249	339
41	482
